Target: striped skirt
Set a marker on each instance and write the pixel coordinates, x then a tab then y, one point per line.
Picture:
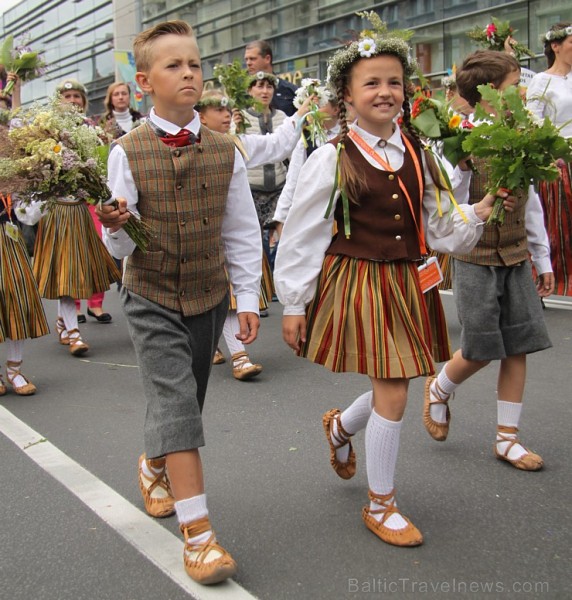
372	318
556	200
21	312
266	287
70	258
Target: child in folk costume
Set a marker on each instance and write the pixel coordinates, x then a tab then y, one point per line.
497	302
353	303
216	113
190	185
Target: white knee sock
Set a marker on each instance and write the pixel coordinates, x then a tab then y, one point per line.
66	310
353	419
15	349
381	448
509	416
192	509
439	411
229	331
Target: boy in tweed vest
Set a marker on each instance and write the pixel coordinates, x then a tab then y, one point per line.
498	306
190	185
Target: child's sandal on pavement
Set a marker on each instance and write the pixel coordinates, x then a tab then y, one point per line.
62	332
12	372
438	431
218	358
156	492
527	462
77	346
242	368
208	562
345	470
408	536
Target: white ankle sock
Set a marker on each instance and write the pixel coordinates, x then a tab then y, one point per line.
381	449
353	419
438	412
509	416
192	509
149	470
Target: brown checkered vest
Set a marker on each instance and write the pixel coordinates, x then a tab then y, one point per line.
500	245
182	195
382	227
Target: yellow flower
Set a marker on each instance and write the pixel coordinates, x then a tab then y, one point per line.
455	121
57	148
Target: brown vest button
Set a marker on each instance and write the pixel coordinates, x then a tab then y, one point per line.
179	187
182	223
391	177
207	290
200	149
395	196
207	256
177	153
398	238
206	221
183	260
205	186
182	293
397	217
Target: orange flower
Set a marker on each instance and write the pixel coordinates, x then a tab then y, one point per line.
455	121
57	148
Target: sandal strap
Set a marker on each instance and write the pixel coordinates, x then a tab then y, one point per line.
386	502
503	432
14	365
161	479
442	397
341	437
194	528
240	358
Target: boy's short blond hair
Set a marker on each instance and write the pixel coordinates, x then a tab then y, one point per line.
483	67
143	43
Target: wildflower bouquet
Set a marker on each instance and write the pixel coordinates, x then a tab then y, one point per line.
495	35
21	60
436	122
54	154
235	81
314	118
519	149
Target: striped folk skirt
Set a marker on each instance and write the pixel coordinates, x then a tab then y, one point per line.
556	200
372	318
21	312
69	257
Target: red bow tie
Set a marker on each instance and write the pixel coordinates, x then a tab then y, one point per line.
183	138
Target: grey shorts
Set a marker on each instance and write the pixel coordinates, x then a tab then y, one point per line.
499	311
175	355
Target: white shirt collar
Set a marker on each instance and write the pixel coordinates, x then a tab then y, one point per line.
194	126
373	140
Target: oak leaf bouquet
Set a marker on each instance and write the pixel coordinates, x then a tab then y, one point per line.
518	148
49	153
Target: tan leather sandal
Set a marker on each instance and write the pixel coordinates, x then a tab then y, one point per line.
208	562
527	462
3	388
438	431
218	358
12	372
408	536
77	346
242	368
156	492
345	470
62	332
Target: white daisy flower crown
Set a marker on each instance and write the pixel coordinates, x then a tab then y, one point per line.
557	34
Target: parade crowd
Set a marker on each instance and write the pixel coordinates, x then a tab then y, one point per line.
326	198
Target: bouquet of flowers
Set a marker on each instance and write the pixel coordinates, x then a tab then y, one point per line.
54	154
436	122
495	35
235	81
519	149
314	119
21	60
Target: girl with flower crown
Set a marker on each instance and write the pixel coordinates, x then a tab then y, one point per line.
216	113
548	95
21	312
353	301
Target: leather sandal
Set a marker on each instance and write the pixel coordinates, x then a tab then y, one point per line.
407	536
207	562
527	462
438	431
3	388
242	368
62	332
12	372
156	492
345	470
218	357
77	346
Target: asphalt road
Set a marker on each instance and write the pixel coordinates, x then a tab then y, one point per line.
72	525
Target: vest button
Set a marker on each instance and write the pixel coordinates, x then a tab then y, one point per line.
517	243
206	221
182	293
397	217
207	290
205	186
391	177
395	196
177	153
183	260
182	223
207	256
200	149
179	187
398	238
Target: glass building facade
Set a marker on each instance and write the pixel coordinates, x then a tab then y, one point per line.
77	35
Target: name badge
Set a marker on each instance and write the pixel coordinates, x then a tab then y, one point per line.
12	231
430	274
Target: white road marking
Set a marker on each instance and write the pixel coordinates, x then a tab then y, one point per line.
152	540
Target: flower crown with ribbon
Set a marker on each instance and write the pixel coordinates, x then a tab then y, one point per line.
554	35
370	43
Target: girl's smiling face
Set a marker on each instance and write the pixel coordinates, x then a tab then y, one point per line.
376	93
